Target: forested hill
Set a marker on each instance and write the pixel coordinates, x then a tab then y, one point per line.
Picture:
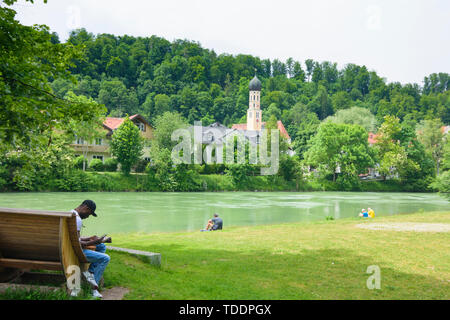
153	75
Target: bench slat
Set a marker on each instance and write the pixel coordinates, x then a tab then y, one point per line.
36	212
30	264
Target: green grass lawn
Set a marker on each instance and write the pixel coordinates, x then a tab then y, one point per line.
316	260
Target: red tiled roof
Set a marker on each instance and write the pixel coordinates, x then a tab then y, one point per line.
239	126
114	123
372	138
243	126
282	129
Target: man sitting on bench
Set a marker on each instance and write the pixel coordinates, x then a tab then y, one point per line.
93	247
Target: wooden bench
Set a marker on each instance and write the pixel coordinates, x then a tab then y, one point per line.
38	240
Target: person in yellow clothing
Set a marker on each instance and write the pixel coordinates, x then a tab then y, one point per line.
371	213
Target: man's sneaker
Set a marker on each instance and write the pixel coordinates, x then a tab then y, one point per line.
96	294
90	278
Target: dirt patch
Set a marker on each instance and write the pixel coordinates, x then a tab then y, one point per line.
407	226
116	293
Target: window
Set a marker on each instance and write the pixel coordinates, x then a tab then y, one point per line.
79	140
250	114
257	114
98	141
97	157
141	126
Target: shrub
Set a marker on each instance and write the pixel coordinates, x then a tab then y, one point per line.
110	165
78	162
96	165
141	165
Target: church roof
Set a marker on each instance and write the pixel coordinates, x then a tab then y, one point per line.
283	131
255	84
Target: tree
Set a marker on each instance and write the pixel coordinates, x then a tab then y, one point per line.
429	132
302	125
278	68
391	155
290	67
341	100
340	146
420	169
116	97
28	60
442	182
127	145
309	68
86	130
446	153
165	125
321	104
355	115
299	74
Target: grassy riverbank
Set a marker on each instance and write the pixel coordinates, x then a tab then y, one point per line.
317	260
80	181
309	260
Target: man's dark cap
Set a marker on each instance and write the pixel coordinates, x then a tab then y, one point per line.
91	205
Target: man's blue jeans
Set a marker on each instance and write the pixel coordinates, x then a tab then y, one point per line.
98	259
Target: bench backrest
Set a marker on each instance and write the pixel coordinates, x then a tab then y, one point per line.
40	236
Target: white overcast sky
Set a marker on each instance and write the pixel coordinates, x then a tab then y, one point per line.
402	40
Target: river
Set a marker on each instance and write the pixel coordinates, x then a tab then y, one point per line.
166	212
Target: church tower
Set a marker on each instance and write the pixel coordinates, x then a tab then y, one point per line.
254	113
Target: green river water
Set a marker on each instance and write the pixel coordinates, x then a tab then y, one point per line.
166	212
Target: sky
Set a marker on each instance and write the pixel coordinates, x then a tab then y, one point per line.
402	40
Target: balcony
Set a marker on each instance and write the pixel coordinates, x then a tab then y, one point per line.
90	148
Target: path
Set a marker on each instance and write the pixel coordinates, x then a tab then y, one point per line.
116	293
407	226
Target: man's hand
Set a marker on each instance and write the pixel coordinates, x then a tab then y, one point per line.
94	240
90	241
107	240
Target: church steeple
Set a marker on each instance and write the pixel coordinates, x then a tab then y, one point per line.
254	113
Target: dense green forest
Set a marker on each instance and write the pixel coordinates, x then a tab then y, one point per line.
153	75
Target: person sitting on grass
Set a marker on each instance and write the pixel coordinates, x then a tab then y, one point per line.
208	226
218	223
93	247
364	213
371	213
214	224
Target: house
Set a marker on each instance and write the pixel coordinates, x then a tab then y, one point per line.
372	138
99	149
